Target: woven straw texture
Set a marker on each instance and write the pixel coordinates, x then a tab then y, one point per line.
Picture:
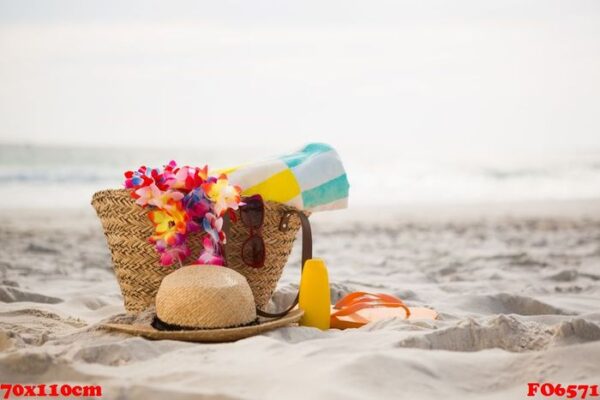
136	263
205	297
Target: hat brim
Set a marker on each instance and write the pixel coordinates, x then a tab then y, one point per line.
208	335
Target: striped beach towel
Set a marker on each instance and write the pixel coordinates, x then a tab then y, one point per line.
311	179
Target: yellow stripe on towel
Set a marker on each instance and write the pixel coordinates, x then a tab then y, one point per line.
281	187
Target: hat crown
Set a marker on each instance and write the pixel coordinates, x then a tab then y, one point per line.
205	297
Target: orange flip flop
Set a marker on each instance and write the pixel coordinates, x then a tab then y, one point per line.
359	308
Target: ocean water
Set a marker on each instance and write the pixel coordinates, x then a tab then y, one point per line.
66	177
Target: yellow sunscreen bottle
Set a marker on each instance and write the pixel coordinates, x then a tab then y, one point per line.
314	294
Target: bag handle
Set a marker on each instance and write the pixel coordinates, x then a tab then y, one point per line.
306	255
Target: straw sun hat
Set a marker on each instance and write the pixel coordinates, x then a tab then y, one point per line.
205	303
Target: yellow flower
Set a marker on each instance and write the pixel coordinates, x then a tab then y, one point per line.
169	224
223	195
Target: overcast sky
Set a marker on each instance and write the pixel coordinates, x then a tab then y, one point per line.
404	74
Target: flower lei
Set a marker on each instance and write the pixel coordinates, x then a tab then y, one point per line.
184	200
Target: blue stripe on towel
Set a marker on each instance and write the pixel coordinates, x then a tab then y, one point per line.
328	192
298	158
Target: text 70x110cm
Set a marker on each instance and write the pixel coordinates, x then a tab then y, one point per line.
43	390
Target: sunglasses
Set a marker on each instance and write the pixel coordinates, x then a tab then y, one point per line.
252	215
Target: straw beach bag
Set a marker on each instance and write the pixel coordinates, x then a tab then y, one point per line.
136	263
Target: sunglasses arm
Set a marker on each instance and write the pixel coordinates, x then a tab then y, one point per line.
306	255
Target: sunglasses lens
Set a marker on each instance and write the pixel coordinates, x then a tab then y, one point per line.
252	213
253	252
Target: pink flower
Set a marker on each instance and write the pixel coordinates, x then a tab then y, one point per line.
170	255
152	195
145	194
213	226
185	178
210	255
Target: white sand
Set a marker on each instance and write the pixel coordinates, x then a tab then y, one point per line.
517	287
